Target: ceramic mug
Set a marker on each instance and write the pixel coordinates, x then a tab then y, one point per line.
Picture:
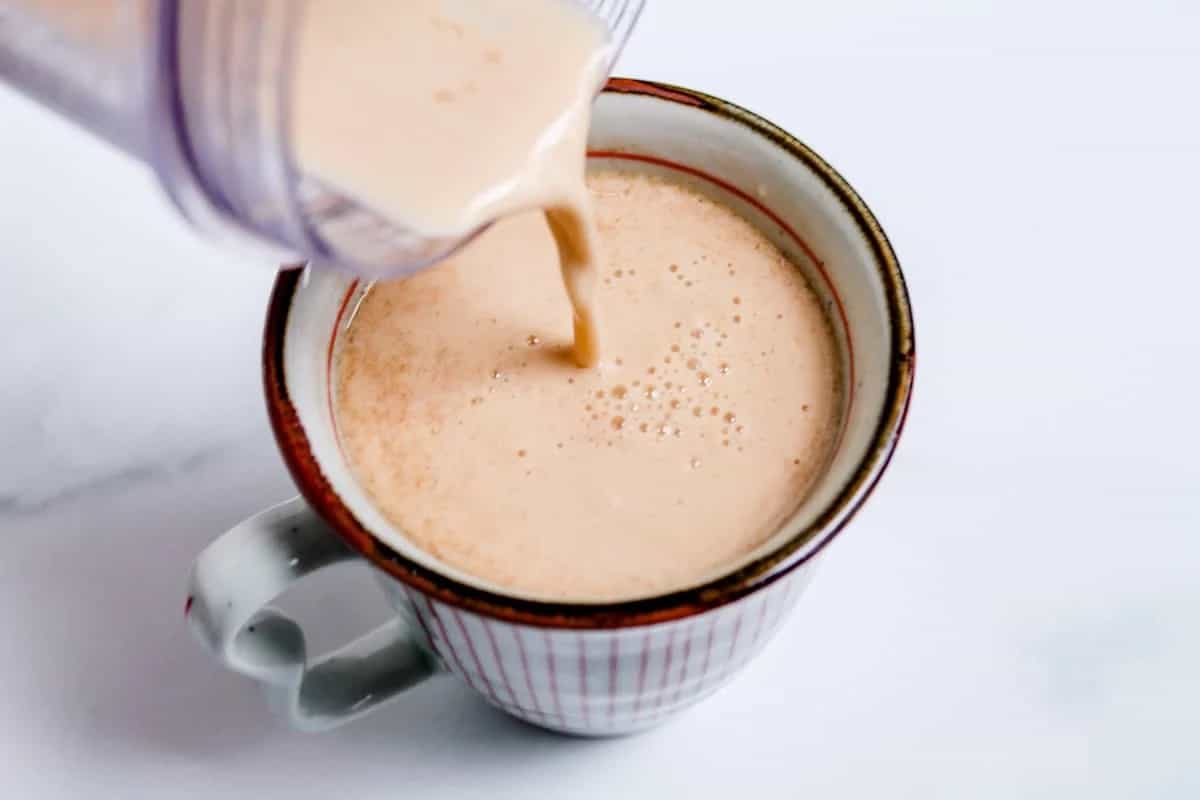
580	668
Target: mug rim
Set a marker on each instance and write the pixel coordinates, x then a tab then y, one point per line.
788	555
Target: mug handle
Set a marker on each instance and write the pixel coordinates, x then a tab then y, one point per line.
235	578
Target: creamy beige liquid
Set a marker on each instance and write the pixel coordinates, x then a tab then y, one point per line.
710	416
444	115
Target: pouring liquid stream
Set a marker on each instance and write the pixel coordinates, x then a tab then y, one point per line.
446	115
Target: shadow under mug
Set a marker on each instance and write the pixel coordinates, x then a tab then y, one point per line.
590	669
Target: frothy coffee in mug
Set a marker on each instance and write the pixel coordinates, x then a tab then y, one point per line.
444	115
710	416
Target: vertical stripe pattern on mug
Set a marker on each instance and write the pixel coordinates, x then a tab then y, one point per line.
608	681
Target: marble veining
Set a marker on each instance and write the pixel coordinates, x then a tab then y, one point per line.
1013	615
39	499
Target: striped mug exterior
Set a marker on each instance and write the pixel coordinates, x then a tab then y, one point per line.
607	682
582	668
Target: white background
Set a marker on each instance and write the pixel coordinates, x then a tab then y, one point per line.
1015	614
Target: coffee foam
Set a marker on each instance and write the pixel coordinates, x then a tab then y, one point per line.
710	415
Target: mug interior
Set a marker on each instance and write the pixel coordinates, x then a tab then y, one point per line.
778	185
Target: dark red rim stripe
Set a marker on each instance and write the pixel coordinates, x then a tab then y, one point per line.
306	472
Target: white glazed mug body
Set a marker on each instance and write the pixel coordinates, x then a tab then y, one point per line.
589	669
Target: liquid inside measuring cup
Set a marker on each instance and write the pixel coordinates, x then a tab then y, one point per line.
445	115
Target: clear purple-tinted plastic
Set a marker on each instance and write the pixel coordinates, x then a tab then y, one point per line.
86	60
198	89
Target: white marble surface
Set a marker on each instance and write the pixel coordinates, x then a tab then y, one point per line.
1016	613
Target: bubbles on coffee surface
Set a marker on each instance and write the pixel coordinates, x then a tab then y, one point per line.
670	388
688	423
679	399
